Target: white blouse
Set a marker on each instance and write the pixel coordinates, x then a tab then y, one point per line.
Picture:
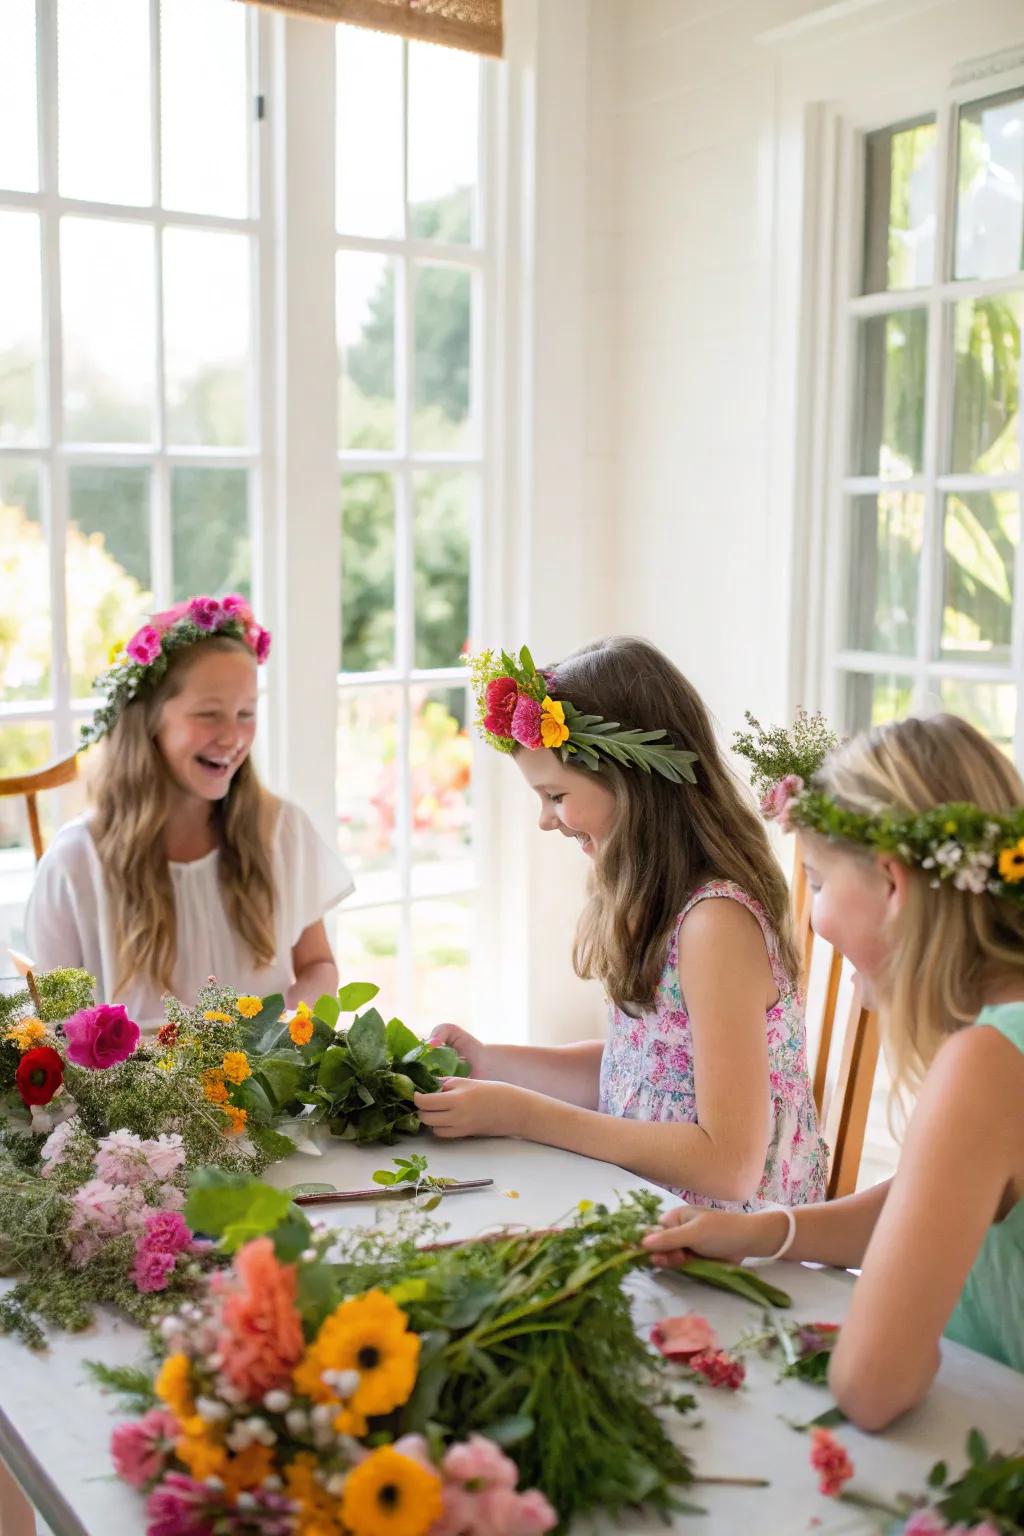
68	918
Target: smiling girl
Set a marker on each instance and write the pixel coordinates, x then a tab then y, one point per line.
186	867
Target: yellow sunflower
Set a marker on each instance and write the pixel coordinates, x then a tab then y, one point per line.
27	1034
369	1335
389	1494
1011	863
249	1007
235	1067
553	729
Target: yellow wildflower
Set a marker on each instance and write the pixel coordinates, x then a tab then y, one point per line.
203	1456
249	1007
389	1494
553	729
214	1016
165	1064
214	1086
583	1206
301	1027
369	1335
949	827
27	1034
1011	863
173	1386
235	1067
115	653
237	1117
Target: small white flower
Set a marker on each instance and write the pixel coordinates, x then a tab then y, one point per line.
308	1255
949	854
245	1501
240	1437
297	1420
272	1481
216	1483
276	1401
322	1415
336	1484
211	1410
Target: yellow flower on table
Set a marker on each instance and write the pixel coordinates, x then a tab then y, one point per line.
27	1034
301	1026
389	1494
235	1067
215	1016
214	1086
237	1117
249	1007
173	1386
203	1456
369	1335
247	1469
1011	863
553	729
318	1510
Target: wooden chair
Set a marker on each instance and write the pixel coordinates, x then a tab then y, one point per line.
31	784
844	1117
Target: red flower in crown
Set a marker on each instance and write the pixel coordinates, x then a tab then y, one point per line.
502	696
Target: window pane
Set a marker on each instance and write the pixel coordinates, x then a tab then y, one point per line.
440	762
23	748
442	514
366	948
992	707
19	159
103	100
874	697
211	545
443	307
981	536
990	193
444	94
442	942
206	330
367	787
367	572
987	385
890	394
365	308
26	645
107	573
109	331
885	555
368	133
204	105
20	329
899	207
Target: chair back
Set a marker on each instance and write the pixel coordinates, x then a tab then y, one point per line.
30	785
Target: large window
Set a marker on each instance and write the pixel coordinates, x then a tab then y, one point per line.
411	269
933	474
129	438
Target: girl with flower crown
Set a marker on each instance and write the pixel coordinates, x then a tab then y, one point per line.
186	867
912	837
702	1084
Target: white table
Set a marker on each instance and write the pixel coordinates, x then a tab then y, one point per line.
55	1424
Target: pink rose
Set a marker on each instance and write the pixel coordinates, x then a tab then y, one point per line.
141	1448
100	1037
206	612
237	607
526	723
679	1337
144	645
501	698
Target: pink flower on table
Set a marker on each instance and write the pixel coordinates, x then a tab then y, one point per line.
206	612
830	1461
100	1037
120	1158
718	1368
165	1154
480	1497
501	697
100	1211
168	1231
677	1338
526	723
152	1269
55	1146
179	1506
141	1448
925	1522
144	645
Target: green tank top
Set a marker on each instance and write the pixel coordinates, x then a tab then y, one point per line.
989	1316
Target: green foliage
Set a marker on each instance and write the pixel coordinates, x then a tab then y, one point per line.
991	1487
591	738
234	1208
132	1384
806	1348
774	752
62	992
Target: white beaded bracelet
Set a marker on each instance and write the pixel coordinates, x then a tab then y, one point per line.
787	1241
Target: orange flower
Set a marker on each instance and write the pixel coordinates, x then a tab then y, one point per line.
27	1034
249	1007
214	1086
235	1067
262	1338
247	1469
215	1016
319	1514
301	1027
237	1117
553	729
203	1456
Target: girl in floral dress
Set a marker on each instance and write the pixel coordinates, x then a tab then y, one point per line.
702	1085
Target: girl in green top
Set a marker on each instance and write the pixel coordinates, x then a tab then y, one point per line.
912	838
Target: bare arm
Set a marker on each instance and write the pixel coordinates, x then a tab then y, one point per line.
314	967
568	1072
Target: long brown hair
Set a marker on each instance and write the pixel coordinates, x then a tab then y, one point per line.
667	838
129	791
948	945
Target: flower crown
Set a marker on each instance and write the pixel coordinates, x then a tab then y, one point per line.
972	849
516	707
143	660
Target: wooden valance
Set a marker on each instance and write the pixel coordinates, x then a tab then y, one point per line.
474	25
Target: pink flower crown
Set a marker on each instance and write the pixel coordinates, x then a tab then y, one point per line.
143	660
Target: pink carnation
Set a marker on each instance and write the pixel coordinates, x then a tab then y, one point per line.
206	612
144	645
100	1037
55	1146
167	1231
501	698
100	1211
152	1269
237	607
677	1338
262	645
179	1506
526	722
120	1158
165	1154
141	1448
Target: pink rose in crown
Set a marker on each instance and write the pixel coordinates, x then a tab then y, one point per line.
100	1037
262	646
677	1338
775	802
526	723
144	645
501	702
236	607
206	612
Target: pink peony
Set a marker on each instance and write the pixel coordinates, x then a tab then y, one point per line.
141	1448
526	723
100	1037
180	1507
144	645
206	612
501	697
170	1198
677	1338
165	1155
120	1158
100	1211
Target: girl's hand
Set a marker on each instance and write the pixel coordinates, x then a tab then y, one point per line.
468	1046
714	1235
468	1107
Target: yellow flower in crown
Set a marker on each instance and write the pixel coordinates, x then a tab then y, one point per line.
115	653
249	1007
1011	863
369	1335
389	1494
235	1067
553	729
27	1034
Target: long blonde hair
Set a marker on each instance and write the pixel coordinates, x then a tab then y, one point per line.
666	838
129	791
947	945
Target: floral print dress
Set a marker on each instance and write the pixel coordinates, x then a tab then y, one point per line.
647	1071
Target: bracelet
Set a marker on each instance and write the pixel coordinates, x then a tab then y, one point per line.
787	1241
